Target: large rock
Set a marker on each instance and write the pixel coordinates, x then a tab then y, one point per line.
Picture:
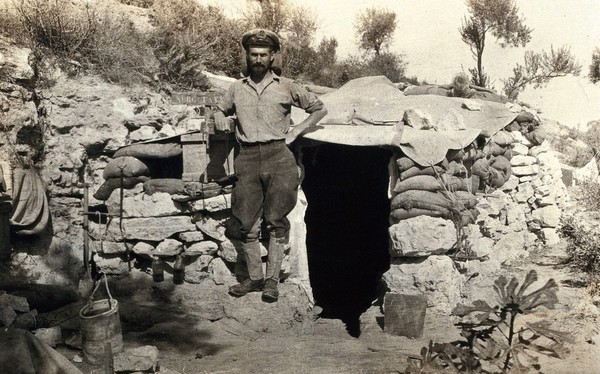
140	359
511	247
422	236
522	160
206	247
417	119
221	273
168	247
17	303
229	250
548	216
156	229
524	192
212	228
527	170
197	270
14	60
158	204
435	276
191	237
213	204
493	204
7	315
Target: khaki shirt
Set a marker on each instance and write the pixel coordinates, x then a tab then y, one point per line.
264	111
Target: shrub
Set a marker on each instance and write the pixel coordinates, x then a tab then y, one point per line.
138	3
64	27
118	52
583	248
493	340
190	37
79	35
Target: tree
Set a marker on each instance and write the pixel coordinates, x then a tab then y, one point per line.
375	28
500	19
324	69
388	64
595	67
295	25
299	36
539	68
270	14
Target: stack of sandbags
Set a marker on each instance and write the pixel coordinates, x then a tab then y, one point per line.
122	172
500	144
441	190
494	171
528	124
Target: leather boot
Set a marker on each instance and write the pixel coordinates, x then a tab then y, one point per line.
276	249
246	286
255	282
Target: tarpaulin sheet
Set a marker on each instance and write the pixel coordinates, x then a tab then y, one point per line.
367	111
30	213
24	353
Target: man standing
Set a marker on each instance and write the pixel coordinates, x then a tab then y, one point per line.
267	173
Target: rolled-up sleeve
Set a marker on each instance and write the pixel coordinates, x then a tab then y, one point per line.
304	99
226	104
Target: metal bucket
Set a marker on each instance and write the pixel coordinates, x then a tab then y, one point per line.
100	328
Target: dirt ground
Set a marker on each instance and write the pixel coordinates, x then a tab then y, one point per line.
249	336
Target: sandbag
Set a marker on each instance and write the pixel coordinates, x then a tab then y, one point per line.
150	150
398	215
130	166
456	169
525	116
481	168
431	183
30	213
416	170
203	190
418	182
513	126
502	138
465	199
536	136
109	185
494	149
421	199
503	165
169	185
404	163
426	90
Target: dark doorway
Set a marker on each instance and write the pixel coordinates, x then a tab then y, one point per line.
347	222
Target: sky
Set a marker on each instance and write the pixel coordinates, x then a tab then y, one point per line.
427	32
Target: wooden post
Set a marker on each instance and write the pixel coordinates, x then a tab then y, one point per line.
195	158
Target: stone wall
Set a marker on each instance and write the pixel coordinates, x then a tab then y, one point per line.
513	217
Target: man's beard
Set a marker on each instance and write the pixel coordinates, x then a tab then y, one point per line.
259	68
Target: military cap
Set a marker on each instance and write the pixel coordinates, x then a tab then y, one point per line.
261	37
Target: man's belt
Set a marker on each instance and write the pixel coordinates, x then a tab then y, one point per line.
258	144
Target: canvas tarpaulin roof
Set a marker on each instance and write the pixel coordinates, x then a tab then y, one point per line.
367	111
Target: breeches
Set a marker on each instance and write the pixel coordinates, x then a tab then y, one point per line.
267	186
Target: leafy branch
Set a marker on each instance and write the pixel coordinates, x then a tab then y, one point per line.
539	68
493	338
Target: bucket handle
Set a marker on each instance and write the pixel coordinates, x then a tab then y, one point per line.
110	298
